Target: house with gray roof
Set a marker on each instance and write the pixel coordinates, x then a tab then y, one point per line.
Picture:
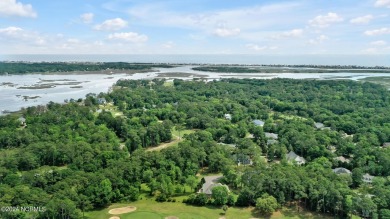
271	141
22	121
341	170
101	101
367	178
210	183
258	122
386	145
270	135
342	159
321	126
242	159
292	157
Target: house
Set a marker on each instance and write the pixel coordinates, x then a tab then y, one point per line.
294	158
332	148
232	146
250	136
271	141
101	101
342	159
242	159
319	125
367	178
210	183
258	122
386	145
22	121
341	170
228	116
270	135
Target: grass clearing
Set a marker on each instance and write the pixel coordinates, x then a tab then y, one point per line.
111	108
176	139
168	84
182	132
148	208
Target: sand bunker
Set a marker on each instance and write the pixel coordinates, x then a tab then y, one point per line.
171	217
122	210
115	217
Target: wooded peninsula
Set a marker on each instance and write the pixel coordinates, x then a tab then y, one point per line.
85	67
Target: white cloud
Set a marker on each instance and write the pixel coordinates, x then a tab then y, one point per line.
370	51
129	37
11	31
377	32
98	43
73	41
17	34
320	39
10	8
87	18
168	45
382	3
244	19
226	32
322	21
289	34
112	24
260	48
362	20
378	43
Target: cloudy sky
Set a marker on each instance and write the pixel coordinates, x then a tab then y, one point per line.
195	27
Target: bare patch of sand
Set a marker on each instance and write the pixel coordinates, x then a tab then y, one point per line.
115	217
122	210
171	217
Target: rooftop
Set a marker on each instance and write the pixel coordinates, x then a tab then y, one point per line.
258	122
341	170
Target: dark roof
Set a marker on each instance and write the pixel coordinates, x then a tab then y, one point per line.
341	170
368	178
101	100
242	159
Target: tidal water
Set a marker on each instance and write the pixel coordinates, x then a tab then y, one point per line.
16	92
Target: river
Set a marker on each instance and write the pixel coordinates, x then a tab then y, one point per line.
18	91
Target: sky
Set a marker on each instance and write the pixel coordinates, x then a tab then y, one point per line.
195	27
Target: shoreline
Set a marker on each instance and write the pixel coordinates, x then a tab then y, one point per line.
102	72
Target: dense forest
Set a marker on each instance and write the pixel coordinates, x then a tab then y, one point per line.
75	157
42	67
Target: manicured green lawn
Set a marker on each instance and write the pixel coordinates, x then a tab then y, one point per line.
150	209
142	215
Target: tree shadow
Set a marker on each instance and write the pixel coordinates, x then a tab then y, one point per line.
256	214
